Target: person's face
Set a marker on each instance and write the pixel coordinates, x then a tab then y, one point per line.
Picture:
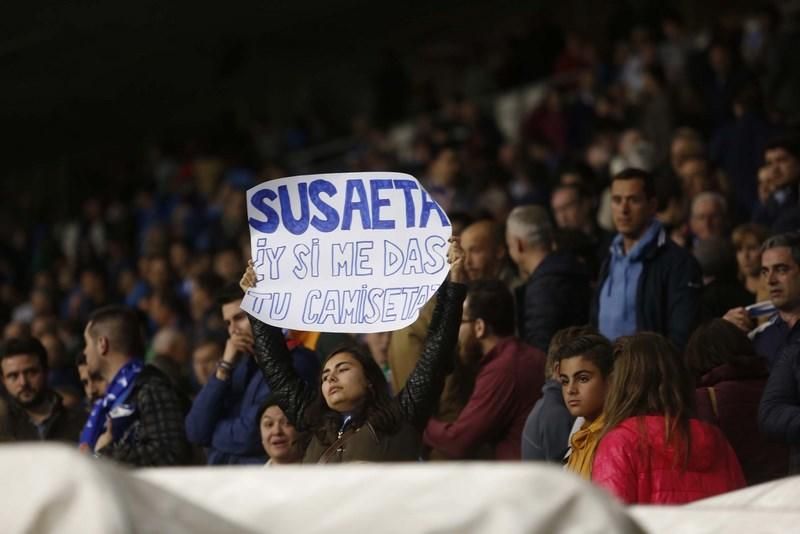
199	302
445	167
94	386
235	318
378	343
204	361
344	384
279	437
782	276
694	177
24	379
568	209
680	150
631	210
469	348
160	314
481	253
765	184
785	168
583	387
748	256
158	273
179	256
227	265
707	220
92	350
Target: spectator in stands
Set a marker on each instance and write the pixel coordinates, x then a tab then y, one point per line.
697	176
35	412
748	238
780	270
721	288
584	364
653	450
281	441
484	251
556	290
782	162
203	309
648	283
442	177
779	411
708	215
730	381
509	379
484	259
61	373
546	433
573	209
140	420
171	354
206	356
351	415
94	385
223	417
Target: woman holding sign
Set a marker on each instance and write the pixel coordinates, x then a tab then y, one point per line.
352	416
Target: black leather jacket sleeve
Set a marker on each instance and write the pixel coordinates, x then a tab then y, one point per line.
273	358
419	397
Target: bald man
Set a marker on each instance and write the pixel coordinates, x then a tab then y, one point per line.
484	250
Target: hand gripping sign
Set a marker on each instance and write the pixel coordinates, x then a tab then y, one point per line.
350	252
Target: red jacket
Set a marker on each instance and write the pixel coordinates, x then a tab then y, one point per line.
508	384
634	463
728	396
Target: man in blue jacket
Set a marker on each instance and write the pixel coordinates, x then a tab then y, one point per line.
224	416
647	283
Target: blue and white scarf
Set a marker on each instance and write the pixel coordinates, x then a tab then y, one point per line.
112	404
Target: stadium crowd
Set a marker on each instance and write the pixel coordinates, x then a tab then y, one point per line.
624	295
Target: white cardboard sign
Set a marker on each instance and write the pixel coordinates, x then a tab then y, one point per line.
347	252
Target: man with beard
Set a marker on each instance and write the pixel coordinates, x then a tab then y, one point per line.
94	385
35	412
509	379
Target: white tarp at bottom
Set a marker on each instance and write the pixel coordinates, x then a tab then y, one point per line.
51	488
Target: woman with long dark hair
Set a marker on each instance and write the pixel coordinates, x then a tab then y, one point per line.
654	450
351	415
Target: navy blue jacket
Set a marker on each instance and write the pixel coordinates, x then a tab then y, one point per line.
223	416
556	296
779	411
773	337
669	292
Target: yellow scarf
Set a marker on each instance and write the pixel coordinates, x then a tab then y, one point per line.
582	446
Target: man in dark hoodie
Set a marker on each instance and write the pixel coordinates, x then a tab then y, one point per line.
556	293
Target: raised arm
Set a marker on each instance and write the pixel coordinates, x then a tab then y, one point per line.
419	397
273	358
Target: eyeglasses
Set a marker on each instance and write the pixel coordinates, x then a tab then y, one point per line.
464	321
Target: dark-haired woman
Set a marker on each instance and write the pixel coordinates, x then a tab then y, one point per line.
731	378
351	416
654	451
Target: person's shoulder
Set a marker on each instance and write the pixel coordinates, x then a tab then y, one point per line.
152	377
672	251
627	431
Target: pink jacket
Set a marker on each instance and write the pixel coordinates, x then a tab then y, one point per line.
634	463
